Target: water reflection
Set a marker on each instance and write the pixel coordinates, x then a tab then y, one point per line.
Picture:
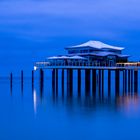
35	101
11	83
129	103
89	104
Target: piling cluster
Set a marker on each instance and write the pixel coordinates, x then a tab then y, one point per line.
94	80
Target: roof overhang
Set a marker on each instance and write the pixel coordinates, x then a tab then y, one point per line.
96	45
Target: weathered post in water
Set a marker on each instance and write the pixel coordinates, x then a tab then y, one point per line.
62	82
41	81
79	82
69	82
53	81
32	79
135	80
132	76
109	83
125	81
94	82
129	75
117	81
99	82
87	82
56	81
102	83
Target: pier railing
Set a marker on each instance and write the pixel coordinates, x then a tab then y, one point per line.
84	64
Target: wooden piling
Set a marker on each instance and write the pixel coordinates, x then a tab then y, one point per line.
125	81
135	81
41	75
69	82
32	79
41	82
62	82
94	82
79	82
56	72
102	83
99	82
129	76
109	83
53	81
117	81
132	76
87	82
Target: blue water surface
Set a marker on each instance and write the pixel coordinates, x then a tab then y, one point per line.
32	114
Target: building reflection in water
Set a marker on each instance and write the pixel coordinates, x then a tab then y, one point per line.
89	103
103	95
129	103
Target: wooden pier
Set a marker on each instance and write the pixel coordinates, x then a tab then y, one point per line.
102	64
95	78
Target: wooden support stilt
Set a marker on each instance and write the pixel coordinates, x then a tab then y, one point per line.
87	82
117	82
129	76
53	81
32	79
56	81
102	83
135	81
62	82
79	82
99	82
109	83
94	81
41	82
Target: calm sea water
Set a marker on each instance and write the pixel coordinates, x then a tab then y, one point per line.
32	114
35	114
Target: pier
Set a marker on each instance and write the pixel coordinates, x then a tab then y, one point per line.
95	79
99	65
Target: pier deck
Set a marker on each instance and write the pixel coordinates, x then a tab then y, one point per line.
125	66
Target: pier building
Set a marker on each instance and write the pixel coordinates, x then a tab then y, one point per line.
95	59
92	53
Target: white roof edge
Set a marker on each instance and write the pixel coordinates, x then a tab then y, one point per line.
97	45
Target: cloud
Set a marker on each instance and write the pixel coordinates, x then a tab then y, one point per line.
58	17
127	8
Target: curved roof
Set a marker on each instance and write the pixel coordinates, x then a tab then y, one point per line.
96	45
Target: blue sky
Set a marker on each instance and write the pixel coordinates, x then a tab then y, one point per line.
32	27
51	18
